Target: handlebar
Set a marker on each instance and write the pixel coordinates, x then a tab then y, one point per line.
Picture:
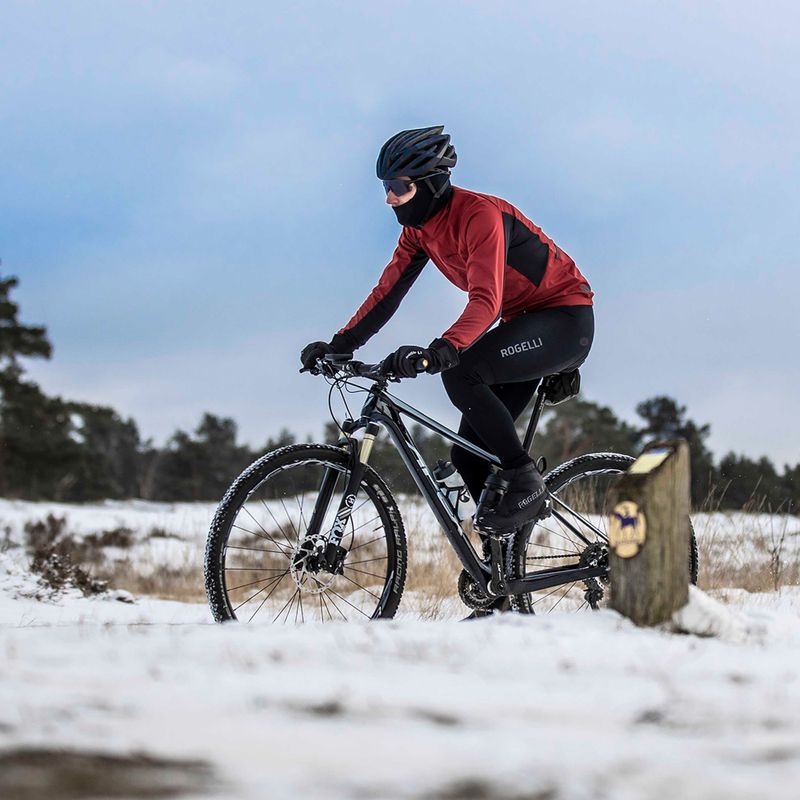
333	364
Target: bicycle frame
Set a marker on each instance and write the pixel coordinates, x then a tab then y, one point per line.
382	409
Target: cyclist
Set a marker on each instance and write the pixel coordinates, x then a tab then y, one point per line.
512	272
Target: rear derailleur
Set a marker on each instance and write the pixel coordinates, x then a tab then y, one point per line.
595	555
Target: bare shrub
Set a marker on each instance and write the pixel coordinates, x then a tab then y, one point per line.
115	537
55	557
6	542
60	572
160	533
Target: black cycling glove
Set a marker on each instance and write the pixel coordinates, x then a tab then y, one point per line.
405	362
340	345
441	355
409	360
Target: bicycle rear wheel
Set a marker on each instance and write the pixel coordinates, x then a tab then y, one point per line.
582	484
255	568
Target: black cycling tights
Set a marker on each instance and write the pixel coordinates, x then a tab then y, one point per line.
498	375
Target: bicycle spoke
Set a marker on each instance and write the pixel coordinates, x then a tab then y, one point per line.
296	534
253	569
269	594
580	517
361	504
300	504
247	511
274	519
360	587
297	607
262	589
291	603
566	591
365	523
367	560
253	583
544	597
561	536
254	549
266	538
326	599
364	572
284	606
366	543
333	602
550	547
348	603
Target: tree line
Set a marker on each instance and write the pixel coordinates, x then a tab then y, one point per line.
52	448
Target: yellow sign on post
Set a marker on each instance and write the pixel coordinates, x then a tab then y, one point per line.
627	529
649	460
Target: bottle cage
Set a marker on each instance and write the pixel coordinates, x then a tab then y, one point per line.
561	387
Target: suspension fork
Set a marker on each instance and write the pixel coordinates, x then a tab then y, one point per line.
329	541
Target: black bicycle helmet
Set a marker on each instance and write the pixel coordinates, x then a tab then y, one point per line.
415	153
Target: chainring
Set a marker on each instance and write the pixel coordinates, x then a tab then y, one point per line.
471	595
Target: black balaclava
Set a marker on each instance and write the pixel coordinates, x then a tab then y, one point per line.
432	195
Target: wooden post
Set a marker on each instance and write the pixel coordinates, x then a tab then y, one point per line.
649	534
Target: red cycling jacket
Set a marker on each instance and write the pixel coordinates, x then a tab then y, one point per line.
486	247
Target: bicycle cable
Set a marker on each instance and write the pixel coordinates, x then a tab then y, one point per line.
337	384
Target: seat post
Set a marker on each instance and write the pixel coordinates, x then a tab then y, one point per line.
527	443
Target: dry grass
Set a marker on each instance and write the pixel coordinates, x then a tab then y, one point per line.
761	555
144	576
432	579
752	549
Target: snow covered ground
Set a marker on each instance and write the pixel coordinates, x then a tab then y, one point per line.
149	696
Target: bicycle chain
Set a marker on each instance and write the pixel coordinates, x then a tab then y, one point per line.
541	558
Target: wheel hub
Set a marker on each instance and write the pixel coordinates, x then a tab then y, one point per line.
308	570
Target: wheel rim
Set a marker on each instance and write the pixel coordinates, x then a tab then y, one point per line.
264	574
581	509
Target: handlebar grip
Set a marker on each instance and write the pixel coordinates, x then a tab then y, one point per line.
421	364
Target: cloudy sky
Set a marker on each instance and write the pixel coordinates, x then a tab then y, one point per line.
188	192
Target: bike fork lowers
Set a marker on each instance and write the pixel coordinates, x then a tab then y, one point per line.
333	553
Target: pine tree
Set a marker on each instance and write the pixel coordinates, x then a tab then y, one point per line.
665	419
34	429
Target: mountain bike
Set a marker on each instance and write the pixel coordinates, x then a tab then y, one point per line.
311	532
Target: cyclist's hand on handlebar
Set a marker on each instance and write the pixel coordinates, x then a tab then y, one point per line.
409	360
406	362
441	355
314	351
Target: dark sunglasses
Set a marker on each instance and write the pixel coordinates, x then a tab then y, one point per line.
398	186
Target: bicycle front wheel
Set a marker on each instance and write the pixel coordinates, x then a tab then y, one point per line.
255	564
582	485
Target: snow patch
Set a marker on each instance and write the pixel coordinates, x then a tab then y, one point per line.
705	616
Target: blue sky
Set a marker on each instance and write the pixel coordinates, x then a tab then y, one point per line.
188	193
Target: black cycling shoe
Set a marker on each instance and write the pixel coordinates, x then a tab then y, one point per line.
525	500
